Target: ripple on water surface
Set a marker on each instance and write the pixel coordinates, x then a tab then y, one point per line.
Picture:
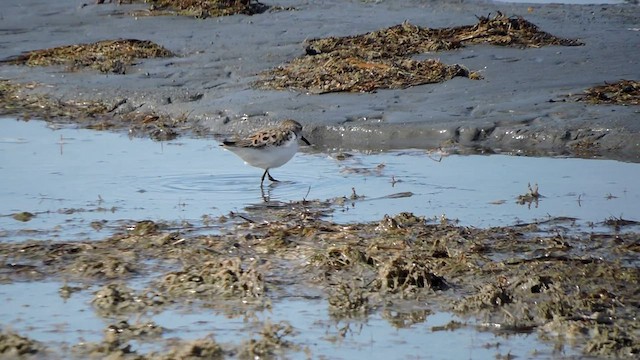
70	178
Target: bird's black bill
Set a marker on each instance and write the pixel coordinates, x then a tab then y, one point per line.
305	140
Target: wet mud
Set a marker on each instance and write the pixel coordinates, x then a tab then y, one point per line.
212	76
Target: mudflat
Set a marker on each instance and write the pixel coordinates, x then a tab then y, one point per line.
367	75
521	98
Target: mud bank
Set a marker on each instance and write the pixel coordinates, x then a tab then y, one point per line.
526	101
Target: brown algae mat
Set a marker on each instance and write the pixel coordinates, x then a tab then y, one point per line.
335	72
623	92
379	59
408	39
203	8
578	289
108	56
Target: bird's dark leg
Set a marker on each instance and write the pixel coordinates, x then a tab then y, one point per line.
271	178
263	175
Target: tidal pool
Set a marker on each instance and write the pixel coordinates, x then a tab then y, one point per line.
37	311
87	185
83	184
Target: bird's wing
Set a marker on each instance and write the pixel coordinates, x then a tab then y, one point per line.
257	140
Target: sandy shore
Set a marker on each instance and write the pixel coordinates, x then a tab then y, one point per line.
525	103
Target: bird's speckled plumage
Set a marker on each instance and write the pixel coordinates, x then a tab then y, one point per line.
275	136
269	148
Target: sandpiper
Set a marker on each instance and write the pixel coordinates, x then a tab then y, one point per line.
269	148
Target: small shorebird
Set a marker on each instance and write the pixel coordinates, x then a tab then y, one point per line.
269	148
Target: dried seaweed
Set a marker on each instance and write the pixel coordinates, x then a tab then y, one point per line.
336	72
407	39
623	92
505	31
521	278
13	345
396	41
228	277
379	59
205	8
107	56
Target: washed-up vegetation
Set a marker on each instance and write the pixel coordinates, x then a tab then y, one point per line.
13	345
408	39
566	288
381	59
26	101
623	92
332	72
203	8
108	56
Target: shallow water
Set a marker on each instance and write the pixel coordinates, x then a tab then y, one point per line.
62	323
69	178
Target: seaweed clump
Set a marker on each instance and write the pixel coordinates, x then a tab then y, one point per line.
408	39
206	8
225	278
334	73
623	92
271	342
13	345
107	56
502	30
519	278
379	59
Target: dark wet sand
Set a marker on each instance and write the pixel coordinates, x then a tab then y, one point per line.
524	104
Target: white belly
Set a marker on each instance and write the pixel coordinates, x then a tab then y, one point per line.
267	157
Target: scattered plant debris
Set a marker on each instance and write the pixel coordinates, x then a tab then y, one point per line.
333	73
408	39
108	56
349	300
532	196
227	278
13	345
520	278
205	348
272	341
623	92
380	59
24	100
23	216
202	9
618	223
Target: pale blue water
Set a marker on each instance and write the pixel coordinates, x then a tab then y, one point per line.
36	310
107	176
70	177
